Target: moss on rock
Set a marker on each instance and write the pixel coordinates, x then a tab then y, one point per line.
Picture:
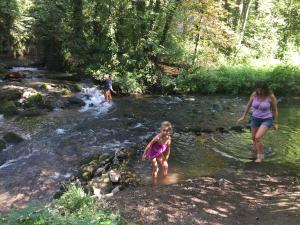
10	94
8	108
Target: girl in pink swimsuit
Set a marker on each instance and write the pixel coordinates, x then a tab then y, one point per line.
154	151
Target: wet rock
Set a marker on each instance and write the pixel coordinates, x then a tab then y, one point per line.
116	190
102	182
222	130
8	108
31	112
2	145
10	94
76	87
99	171
106	159
87	171
114	176
88	160
217	107
14	76
237	128
13	138
97	192
74	101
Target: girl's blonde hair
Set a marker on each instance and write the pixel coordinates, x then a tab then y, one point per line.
168	125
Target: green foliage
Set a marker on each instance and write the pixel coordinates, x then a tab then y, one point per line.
73	208
66	91
35	100
282	80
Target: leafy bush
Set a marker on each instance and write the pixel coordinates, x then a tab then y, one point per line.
74	207
241	79
35	100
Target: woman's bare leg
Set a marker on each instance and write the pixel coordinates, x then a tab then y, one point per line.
262	130
254	131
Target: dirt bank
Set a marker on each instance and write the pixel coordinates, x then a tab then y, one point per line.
251	199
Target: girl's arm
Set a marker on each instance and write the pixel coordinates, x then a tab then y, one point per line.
247	107
155	139
273	101
168	151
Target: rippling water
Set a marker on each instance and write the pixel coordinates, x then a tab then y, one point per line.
55	143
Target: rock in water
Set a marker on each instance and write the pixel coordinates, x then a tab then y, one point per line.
114	176
2	145
13	138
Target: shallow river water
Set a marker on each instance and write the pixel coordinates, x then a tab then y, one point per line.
56	142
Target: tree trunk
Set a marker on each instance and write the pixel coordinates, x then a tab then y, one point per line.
78	19
245	20
168	23
196	47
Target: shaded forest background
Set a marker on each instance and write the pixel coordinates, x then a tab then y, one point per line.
212	42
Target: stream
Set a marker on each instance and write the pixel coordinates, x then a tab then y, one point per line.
56	142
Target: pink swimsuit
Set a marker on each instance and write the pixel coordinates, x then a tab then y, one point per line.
156	150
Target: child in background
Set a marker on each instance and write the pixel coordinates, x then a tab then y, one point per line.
154	151
108	89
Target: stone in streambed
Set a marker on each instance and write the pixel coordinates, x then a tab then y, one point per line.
13	138
87	171
14	76
2	145
114	176
73	101
237	128
99	171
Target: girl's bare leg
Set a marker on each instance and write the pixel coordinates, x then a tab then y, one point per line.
154	171
164	165
258	142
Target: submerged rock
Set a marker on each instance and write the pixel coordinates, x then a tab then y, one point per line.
2	145
13	138
73	101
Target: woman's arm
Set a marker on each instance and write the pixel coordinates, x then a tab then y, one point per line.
247	107
155	139
273	101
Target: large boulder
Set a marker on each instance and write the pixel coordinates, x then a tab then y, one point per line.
12	138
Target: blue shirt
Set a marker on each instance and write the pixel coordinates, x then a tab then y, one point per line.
108	84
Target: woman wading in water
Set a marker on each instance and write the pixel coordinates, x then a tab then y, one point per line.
264	116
